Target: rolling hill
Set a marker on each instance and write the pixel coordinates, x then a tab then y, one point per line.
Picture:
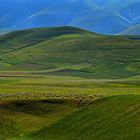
114	118
66	83
70	51
89	123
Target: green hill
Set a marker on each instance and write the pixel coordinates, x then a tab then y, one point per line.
46	93
70	51
25	38
109	118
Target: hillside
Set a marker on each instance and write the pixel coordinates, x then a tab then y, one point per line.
70	51
114	118
25	38
69	70
65	83
111	118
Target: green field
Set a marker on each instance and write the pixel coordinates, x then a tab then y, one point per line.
65	83
107	118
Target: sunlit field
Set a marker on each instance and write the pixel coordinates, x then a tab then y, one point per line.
47	84
66	83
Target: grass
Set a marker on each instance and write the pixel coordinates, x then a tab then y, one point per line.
36	107
44	84
114	117
111	118
65	83
84	54
23	117
102	126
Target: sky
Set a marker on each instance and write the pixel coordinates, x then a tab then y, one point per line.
94	15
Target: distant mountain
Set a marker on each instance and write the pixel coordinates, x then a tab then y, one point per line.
101	16
135	30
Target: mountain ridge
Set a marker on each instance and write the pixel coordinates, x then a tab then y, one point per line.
97	16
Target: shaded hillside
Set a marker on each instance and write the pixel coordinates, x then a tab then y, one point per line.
25	38
18	118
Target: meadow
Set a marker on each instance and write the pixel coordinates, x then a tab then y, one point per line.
66	83
45	84
52	107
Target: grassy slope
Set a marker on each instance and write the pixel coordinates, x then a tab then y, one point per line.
71	51
45	57
24	117
25	38
110	118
